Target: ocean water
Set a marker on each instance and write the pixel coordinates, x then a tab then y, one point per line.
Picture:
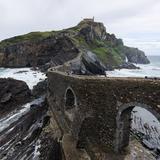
150	70
28	75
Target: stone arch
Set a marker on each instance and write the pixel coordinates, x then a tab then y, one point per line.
70	99
123	121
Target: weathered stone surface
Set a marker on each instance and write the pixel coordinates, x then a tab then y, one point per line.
13	93
103	107
6	97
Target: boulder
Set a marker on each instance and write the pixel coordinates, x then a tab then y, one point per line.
89	64
128	65
40	89
13	93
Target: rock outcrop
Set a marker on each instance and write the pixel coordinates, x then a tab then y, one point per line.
47	49
40	89
88	64
91	31
127	65
55	50
134	55
21	137
13	93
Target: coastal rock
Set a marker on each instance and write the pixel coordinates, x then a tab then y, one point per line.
134	55
128	65
50	148
12	94
54	50
40	89
6	97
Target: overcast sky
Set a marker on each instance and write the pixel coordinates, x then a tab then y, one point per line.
137	22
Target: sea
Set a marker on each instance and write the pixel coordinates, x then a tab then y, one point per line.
150	70
31	77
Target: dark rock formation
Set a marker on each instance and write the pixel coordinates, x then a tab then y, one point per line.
40	89
88	64
55	50
93	64
50	148
134	55
12	94
128	65
21	137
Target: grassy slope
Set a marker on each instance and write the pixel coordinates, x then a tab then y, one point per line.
108	54
27	37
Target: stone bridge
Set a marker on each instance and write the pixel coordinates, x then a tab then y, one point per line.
97	110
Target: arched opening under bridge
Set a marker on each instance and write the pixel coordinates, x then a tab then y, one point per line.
141	121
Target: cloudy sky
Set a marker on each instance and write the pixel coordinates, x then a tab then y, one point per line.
137	22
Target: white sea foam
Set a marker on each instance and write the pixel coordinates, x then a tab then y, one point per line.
145	70
13	117
150	70
31	77
36	151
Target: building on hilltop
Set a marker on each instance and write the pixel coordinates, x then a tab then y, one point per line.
88	19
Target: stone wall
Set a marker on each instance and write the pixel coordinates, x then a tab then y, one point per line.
102	106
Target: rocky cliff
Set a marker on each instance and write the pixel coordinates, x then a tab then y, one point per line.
55	50
56	47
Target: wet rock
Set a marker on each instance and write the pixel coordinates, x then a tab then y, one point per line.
40	88
50	148
128	65
19	139
6	97
13	93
